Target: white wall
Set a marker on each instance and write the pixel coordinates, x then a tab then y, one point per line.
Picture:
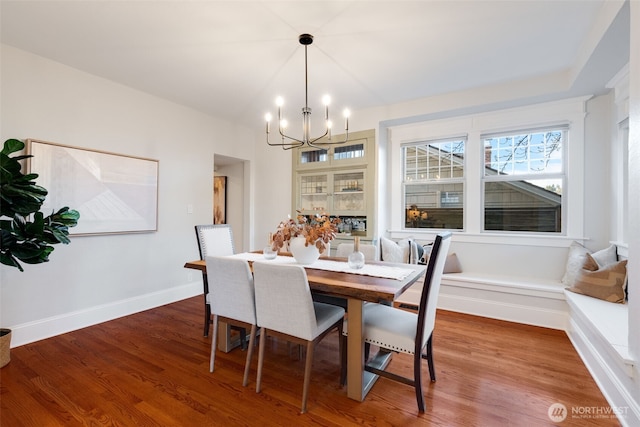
100	277
634	190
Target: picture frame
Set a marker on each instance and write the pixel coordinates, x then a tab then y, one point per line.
219	199
114	193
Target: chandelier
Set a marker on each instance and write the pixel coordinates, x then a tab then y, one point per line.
289	142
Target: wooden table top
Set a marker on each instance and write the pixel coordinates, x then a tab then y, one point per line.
349	285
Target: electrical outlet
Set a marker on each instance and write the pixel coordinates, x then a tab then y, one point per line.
189	208
189	276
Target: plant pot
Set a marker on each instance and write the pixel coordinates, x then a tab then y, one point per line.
5	346
303	254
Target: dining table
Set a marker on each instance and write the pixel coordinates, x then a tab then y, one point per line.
377	282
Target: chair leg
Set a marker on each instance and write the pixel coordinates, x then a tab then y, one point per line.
247	364
342	345
432	369
207	319
214	342
307	376
417	378
263	342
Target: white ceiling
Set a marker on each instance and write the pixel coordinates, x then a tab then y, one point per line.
231	58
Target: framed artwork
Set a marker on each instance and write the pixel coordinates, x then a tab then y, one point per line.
114	193
219	199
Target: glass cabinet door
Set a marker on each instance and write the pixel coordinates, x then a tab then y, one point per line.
349	192
314	193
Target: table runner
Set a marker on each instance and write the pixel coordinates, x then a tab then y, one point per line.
384	271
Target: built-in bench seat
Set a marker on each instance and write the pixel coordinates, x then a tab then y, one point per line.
530	300
604	324
509	284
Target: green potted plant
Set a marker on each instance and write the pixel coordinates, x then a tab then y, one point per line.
27	235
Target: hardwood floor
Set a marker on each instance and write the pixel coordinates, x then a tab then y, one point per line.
152	369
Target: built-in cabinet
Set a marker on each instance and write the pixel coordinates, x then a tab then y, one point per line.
338	180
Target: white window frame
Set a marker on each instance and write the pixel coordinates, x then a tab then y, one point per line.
428	181
571	111
564	127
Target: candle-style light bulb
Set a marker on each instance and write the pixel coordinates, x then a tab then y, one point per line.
268	117
346	113
326	100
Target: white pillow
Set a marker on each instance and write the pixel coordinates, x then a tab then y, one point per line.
606	256
395	252
575	261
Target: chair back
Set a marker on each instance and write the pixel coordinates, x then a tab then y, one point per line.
214	240
231	288
431	289
283	300
369	251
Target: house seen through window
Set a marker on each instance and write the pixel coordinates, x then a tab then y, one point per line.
523	180
433	184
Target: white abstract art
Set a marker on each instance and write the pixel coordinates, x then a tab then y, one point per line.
113	193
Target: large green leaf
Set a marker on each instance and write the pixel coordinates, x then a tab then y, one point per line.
23	239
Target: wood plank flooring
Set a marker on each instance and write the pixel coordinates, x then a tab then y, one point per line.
152	369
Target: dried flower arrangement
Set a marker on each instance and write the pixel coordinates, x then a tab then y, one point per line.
318	230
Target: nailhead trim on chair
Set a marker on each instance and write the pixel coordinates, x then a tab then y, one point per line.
393	348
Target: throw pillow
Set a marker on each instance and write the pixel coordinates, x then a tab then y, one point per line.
415	252
395	252
605	283
606	256
575	261
426	251
452	264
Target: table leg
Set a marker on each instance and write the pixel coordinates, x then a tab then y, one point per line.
225	342
355	351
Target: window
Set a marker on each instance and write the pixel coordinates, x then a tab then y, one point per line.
434	184
523	180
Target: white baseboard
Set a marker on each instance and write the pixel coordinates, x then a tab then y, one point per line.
519	313
45	328
614	382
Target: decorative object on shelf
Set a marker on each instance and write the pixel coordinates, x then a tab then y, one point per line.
268	251
356	258
306	40
316	232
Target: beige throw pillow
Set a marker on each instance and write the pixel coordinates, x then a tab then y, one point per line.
605	283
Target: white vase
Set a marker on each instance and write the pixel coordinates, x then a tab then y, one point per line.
303	254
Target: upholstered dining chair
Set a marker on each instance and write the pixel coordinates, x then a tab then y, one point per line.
402	331
213	240
284	308
369	251
232	299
